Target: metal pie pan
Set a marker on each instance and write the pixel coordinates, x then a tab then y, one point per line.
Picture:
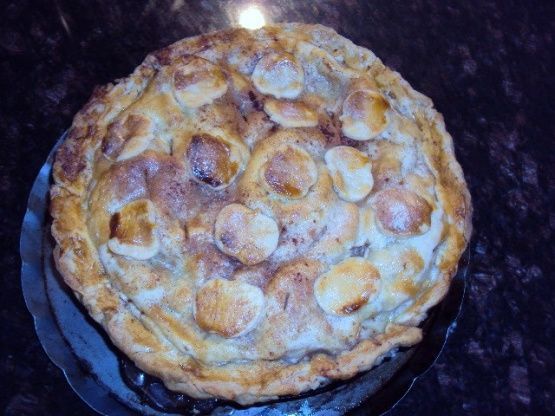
111	384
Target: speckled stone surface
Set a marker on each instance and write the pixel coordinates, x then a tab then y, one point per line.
488	65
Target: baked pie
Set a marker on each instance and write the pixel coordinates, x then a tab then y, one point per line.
252	214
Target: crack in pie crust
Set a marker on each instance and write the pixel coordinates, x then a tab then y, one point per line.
253	214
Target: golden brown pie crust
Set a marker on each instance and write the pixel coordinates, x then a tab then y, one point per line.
246	117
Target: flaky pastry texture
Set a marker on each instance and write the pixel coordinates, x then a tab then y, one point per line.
252	214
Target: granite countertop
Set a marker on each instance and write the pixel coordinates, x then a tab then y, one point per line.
488	65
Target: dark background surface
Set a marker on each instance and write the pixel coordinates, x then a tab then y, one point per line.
488	66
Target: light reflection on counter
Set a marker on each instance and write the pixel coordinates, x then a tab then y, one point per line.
251	17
